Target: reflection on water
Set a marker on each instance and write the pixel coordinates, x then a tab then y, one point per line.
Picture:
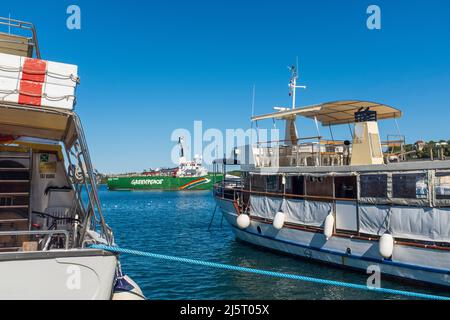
176	223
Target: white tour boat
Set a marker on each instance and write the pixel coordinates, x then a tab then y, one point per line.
355	203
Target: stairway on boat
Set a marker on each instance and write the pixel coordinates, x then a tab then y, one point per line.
15	195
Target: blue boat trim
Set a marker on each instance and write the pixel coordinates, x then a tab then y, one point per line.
387	262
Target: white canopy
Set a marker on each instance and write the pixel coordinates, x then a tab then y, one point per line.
333	113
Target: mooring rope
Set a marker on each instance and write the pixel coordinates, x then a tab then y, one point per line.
269	273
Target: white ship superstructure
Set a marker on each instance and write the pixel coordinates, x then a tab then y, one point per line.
192	168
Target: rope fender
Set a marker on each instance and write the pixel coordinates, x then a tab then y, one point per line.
269	273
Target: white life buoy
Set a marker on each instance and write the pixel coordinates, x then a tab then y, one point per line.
329	226
386	245
243	221
278	221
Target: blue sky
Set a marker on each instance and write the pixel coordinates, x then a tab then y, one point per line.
150	67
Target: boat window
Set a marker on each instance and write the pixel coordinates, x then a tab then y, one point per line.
410	186
274	184
345	187
295	185
258	183
442	185
319	186
373	186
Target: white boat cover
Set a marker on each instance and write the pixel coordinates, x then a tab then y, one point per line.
414	223
426	224
305	212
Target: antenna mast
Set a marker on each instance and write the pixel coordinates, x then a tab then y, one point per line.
253	113
293	83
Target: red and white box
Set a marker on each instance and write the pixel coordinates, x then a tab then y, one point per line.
37	82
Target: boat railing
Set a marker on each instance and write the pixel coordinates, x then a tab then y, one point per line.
40	234
321	152
395	148
301	152
86	186
227	191
18	44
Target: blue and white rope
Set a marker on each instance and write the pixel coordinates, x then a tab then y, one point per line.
270	273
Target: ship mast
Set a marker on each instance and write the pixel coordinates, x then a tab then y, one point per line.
291	135
293	84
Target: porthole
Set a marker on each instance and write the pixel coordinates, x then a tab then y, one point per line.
259	229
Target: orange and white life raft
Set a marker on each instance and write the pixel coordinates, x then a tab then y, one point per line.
37	82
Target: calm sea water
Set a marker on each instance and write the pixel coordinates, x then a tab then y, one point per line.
176	223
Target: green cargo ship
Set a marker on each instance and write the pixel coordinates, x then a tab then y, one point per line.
166	183
189	175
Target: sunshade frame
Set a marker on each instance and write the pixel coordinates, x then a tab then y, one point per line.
335	112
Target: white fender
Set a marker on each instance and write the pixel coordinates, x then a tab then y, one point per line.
243	221
386	245
134	294
278	221
329	226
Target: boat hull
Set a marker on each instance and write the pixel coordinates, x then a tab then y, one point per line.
408	262
166	183
58	275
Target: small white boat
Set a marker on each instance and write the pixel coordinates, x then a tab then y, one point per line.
50	212
342	202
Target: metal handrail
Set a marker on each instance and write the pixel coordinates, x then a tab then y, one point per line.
316	149
94	199
288	140
26	26
38	232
